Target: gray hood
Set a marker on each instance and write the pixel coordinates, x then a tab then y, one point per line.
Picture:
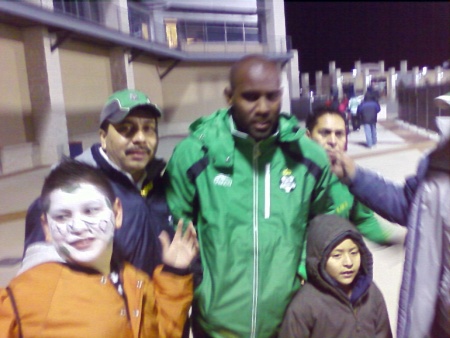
440	157
39	253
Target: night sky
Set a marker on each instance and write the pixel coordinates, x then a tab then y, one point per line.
418	32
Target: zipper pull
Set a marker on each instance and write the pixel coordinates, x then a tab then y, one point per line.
256	152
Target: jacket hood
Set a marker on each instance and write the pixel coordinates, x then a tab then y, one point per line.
324	233
39	253
440	157
217	126
288	128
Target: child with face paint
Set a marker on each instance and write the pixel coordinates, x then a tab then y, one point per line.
339	299
74	286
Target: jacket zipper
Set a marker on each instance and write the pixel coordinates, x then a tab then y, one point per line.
256	154
267	192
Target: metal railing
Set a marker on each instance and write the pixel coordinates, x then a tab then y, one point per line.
416	105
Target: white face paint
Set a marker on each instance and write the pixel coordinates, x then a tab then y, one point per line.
81	223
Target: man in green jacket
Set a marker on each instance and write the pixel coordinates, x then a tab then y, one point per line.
250	179
327	127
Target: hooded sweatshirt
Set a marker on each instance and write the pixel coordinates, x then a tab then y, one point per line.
321	308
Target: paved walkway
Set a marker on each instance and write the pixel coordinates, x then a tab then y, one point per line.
396	156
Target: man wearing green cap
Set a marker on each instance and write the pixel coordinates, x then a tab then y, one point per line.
126	155
422	205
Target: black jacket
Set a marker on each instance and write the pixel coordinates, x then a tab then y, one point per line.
368	111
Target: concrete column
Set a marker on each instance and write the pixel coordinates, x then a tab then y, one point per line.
115	15
339	83
319	78
152	26
416	76
391	102
358	77
331	67
275	24
358	67
439	74
158	26
391	83
381	66
403	66
275	27
122	75
332	74
305	84
293	74
367	79
46	95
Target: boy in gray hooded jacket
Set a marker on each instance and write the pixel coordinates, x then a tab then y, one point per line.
339	299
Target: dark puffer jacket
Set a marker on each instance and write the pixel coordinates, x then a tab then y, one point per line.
321	308
368	111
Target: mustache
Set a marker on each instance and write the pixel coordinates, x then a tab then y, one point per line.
138	148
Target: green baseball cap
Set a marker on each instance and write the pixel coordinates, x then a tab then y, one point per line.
122	102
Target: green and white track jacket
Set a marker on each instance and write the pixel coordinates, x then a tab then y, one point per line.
251	202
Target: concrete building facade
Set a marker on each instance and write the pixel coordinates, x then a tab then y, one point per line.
62	59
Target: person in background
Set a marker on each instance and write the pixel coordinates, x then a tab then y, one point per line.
343	109
73	285
327	127
373	93
353	104
367	112
126	155
422	205
339	299
250	180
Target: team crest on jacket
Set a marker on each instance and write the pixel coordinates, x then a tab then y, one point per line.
223	180
287	182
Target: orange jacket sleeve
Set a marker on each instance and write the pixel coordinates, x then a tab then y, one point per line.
166	304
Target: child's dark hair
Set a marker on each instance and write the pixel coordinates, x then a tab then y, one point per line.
70	172
312	118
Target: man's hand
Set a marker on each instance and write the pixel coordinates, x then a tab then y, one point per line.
343	166
183	249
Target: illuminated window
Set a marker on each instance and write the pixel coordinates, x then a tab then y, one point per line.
216	32
171	33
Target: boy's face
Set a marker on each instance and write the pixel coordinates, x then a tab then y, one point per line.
343	263
80	223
